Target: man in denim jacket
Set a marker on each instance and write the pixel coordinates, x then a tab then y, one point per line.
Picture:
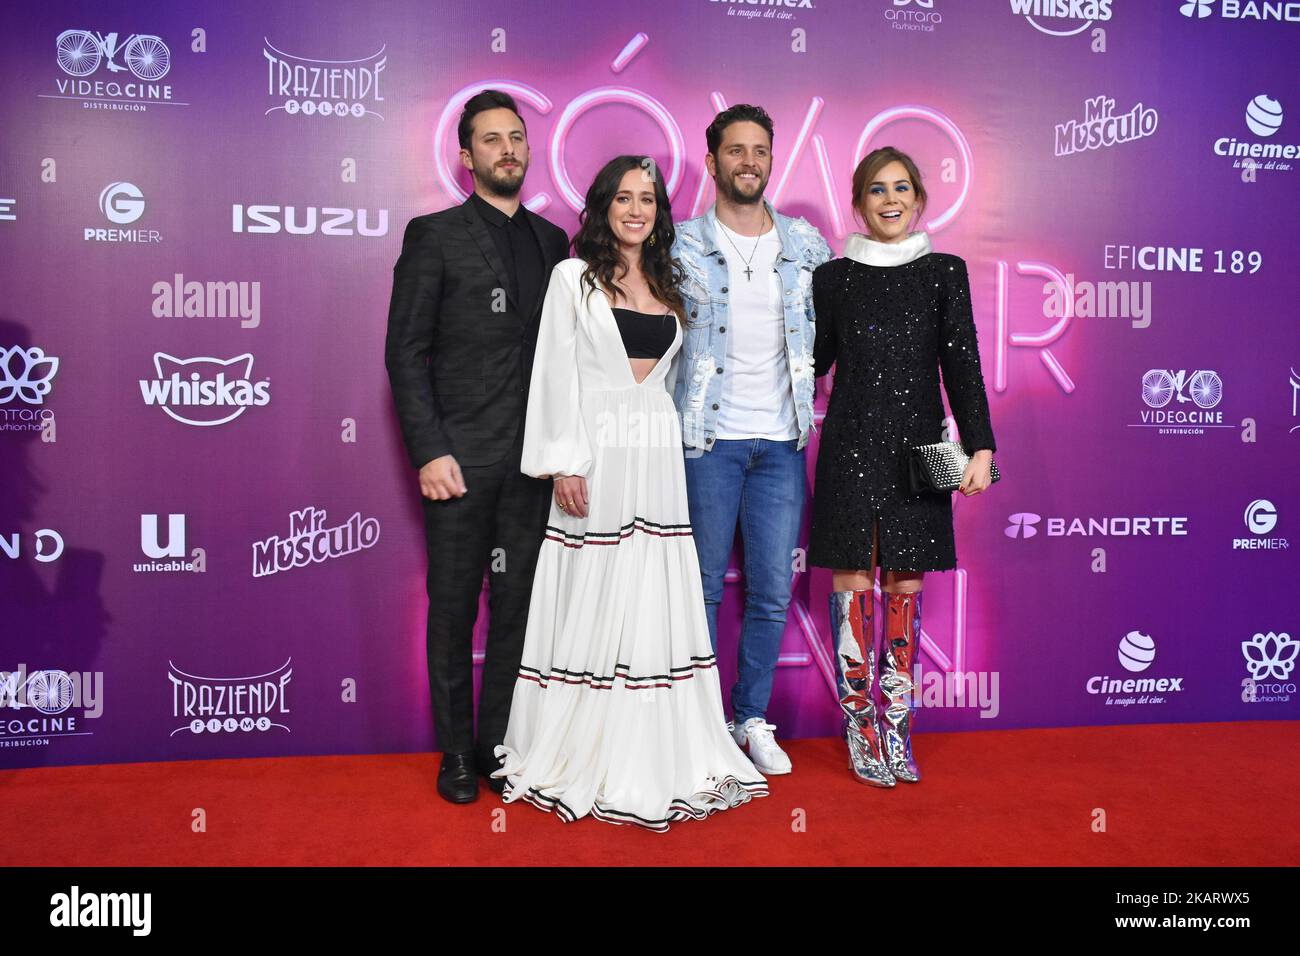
744	391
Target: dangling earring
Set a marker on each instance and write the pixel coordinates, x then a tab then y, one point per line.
652	238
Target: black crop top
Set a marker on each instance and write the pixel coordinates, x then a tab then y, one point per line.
645	335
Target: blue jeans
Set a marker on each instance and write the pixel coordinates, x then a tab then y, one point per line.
763	484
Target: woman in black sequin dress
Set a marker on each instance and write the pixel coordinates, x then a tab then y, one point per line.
891	315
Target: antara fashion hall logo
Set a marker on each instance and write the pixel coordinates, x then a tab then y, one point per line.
304	86
1061	18
204	391
1267	10
1263	118
112	71
1270	660
1101	127
122	204
918	16
312	541
1181	401
1136	653
26	379
214	705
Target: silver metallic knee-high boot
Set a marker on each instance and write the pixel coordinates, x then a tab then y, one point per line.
853	636
901	630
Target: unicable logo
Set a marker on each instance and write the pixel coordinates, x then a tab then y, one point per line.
1101	127
204	391
121	203
26	375
1061	18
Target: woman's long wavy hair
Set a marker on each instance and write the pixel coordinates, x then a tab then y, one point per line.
595	243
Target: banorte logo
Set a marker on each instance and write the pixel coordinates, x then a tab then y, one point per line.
204	391
1022	525
1268	10
1061	18
1196	8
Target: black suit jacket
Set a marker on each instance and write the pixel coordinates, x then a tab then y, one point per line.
459	349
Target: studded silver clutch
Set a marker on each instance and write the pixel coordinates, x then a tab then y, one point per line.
939	467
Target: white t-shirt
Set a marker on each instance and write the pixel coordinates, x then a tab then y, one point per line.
757	399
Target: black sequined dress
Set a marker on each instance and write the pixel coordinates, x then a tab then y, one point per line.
891	329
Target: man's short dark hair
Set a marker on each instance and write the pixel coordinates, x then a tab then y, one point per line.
479	103
740	113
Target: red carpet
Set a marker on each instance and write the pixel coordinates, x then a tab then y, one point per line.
1176	795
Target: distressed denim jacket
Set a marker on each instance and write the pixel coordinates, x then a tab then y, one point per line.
697	372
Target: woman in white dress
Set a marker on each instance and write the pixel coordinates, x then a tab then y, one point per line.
617	710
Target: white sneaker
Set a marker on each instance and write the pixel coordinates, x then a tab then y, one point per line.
755	735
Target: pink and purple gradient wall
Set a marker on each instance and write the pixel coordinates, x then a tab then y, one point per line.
328	657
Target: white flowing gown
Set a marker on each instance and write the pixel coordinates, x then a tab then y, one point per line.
617	710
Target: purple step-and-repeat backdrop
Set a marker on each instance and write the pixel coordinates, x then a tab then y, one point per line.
200	206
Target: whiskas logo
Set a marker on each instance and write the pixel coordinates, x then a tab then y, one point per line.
1061	18
204	391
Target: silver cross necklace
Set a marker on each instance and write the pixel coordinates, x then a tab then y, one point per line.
749	273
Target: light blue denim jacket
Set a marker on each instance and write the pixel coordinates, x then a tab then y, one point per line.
697	367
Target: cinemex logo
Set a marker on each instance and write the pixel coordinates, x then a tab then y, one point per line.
304	221
1260	518
1061	18
311	542
1024	524
204	391
1241	10
216	705
1136	653
89	61
310	87
1264	119
1100	127
915	15
122	204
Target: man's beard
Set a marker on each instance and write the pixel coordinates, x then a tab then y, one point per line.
499	184
727	187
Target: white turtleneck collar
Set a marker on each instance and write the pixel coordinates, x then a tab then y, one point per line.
869	252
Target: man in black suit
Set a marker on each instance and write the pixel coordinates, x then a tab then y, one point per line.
462	330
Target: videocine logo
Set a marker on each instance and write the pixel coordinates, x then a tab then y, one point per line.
1263	118
323	87
1024	524
204	391
1201	389
1061	18
121	204
139	62
1242	10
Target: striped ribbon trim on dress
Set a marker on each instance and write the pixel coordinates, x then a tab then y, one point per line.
729	792
644	525
600	682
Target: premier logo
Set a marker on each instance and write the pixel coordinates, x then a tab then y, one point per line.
1100	126
1260	518
204	391
1061	18
122	204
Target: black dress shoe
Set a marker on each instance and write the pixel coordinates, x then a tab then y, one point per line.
487	764
458	778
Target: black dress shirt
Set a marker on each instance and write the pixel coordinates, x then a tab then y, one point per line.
519	251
